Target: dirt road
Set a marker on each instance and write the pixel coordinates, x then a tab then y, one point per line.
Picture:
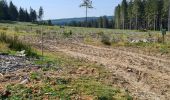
145	77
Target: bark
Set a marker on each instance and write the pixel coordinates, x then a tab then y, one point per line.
130	24
136	26
169	18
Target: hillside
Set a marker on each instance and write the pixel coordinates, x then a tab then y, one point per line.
68	20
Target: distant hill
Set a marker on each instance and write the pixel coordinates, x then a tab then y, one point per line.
68	20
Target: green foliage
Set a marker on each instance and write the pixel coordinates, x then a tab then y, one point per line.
67	34
35	76
11	13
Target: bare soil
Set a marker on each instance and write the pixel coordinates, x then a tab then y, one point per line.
145	77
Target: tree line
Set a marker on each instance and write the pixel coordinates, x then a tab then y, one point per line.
101	22
143	14
11	12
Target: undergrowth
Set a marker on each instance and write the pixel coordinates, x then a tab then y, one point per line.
15	44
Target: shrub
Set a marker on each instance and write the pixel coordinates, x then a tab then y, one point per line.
106	39
35	76
4	28
159	40
100	33
67	33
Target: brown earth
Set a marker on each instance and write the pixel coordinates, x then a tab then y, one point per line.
145	77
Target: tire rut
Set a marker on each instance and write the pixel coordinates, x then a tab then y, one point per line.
146	77
135	78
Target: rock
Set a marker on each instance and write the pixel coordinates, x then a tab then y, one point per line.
129	70
1	75
25	81
145	40
21	53
10	63
134	41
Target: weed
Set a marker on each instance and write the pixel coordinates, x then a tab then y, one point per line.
67	34
106	39
15	44
35	76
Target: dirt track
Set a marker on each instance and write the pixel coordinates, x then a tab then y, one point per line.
145	77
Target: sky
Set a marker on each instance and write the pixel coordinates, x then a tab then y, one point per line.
57	9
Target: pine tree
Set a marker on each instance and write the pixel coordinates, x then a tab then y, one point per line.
117	17
100	22
124	13
88	5
27	16
13	12
21	16
130	17
5	10
169	18
49	23
165	13
150	14
1	10
33	15
105	22
41	13
136	12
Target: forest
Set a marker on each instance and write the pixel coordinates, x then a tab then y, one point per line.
11	12
101	22
143	14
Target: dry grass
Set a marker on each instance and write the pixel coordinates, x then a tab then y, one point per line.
4	47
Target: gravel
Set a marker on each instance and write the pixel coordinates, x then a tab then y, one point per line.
10	63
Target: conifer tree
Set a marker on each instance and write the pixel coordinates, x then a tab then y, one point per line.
13	12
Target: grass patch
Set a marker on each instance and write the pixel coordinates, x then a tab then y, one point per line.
97	89
15	44
4	47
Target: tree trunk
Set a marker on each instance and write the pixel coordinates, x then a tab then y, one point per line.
136	26
123	19
42	43
169	18
154	22
130	24
148	26
86	16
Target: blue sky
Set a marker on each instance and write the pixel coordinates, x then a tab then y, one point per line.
56	9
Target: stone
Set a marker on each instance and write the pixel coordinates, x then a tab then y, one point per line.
21	53
10	63
25	81
1	75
